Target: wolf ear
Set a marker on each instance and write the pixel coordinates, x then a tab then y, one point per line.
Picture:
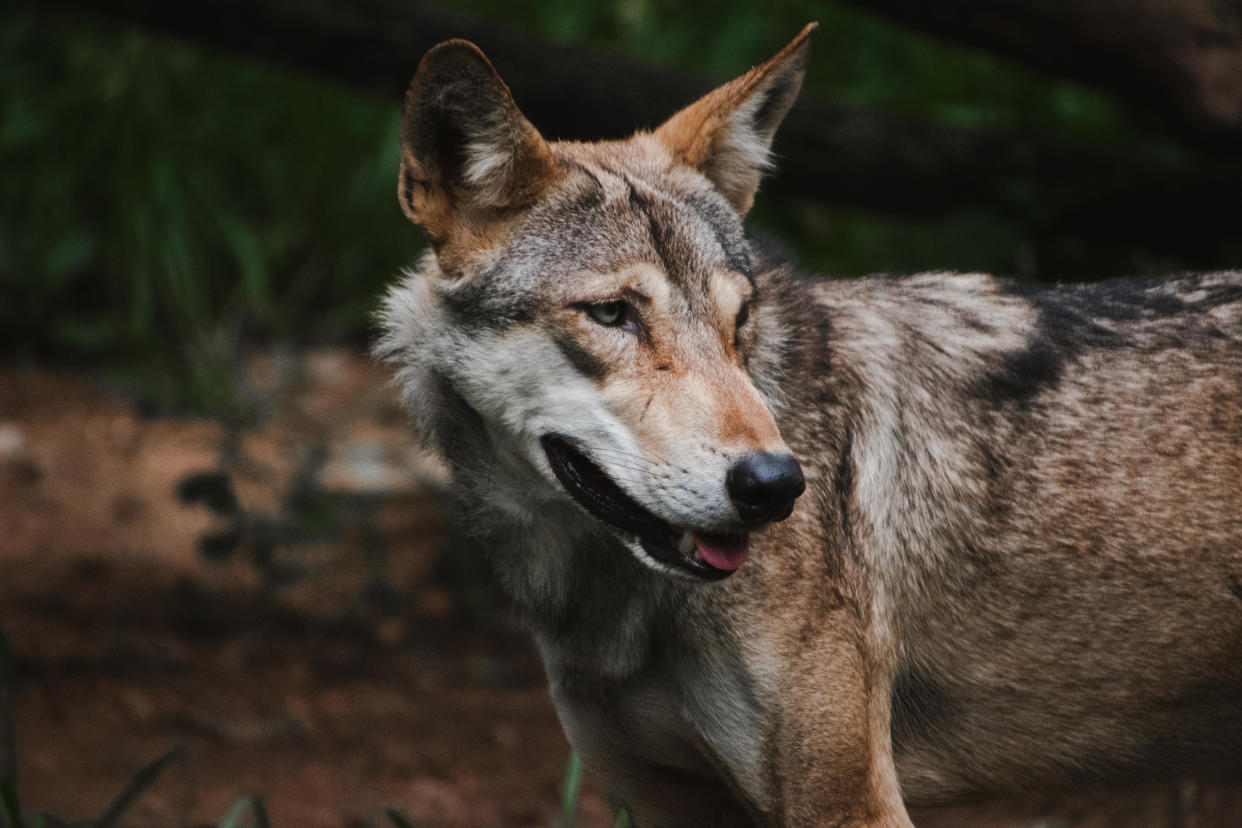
726	134
467	152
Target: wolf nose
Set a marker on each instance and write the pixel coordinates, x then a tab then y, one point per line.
763	486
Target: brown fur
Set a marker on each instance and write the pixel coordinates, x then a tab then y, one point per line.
1017	564
699	135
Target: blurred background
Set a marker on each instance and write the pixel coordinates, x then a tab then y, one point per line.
214	530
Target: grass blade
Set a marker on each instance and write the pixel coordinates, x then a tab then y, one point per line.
142	779
232	817
260	814
9	805
620	813
8	760
569	792
40	819
8	686
398	819
252	805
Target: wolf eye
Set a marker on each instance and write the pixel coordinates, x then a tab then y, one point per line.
612	314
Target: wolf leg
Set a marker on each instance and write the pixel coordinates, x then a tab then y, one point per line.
831	752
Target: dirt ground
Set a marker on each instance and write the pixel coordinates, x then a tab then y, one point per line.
325	655
364	684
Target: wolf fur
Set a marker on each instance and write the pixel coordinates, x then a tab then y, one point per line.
1017	564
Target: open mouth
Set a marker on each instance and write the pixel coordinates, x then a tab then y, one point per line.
705	555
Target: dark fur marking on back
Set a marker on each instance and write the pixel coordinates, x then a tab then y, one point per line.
1100	315
1024	374
1150	299
845	485
1064	328
921	708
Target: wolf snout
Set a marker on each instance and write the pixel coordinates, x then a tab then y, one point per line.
763	486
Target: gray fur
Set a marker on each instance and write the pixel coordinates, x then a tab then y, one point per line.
1017	563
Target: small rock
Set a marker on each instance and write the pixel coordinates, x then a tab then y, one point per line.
16	463
365	468
12	442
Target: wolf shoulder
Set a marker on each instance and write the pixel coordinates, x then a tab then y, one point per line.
1135	380
1040	333
1112	403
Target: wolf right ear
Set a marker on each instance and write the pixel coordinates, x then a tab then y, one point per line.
467	152
726	134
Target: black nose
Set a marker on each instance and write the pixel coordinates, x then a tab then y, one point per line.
763	486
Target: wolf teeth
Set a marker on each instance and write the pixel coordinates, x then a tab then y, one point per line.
686	544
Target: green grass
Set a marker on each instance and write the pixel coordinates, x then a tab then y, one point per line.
237	813
250	811
160	206
570	790
134	788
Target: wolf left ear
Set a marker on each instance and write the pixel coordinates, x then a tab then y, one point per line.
467	152
727	134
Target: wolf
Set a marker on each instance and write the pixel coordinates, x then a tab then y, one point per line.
805	552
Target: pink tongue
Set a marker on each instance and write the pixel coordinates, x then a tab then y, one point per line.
725	552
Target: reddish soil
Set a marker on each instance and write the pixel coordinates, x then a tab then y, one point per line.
328	697
308	695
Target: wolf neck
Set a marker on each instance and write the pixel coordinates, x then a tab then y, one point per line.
590	604
910	358
864	386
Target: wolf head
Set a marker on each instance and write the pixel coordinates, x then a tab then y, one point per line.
596	305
